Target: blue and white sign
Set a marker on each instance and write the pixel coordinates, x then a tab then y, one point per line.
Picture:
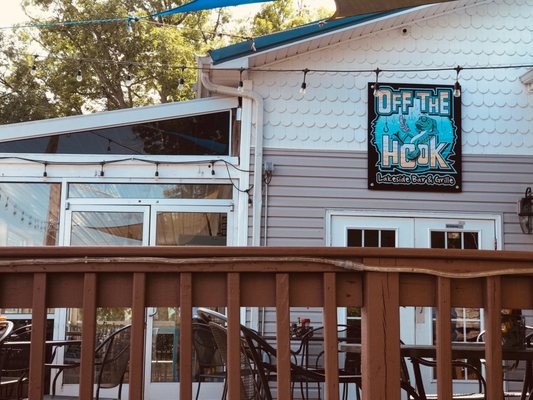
414	140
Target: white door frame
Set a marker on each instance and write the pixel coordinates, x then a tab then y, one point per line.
337	223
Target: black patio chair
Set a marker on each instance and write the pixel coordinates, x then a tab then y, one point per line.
252	377
208	360
111	363
15	362
6	383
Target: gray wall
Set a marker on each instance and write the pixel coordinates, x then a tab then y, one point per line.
307	183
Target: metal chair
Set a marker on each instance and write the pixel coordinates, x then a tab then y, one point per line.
209	363
6	327
16	361
421	393
251	381
111	363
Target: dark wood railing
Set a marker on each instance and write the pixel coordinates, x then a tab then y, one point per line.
378	280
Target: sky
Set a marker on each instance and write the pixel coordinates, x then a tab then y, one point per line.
12	11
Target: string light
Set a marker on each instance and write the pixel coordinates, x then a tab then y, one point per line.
303	87
129	24
128	80
181	84
34	65
376	84
240	87
79	76
457	85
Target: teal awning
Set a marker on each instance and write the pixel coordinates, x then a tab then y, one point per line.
197	5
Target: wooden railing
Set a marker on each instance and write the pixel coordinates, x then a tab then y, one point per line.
378	280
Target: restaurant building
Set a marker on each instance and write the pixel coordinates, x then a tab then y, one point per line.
409	128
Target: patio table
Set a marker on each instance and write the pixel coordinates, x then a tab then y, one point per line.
464	351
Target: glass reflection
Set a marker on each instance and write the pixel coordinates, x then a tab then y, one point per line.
191	229
91	228
29	214
206	134
148	191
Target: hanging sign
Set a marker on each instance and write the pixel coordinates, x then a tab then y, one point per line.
414	140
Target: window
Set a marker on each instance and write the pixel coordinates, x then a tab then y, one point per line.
205	134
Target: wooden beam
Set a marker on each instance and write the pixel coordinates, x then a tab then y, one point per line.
444	339
282	336
493	338
330	337
185	348
88	337
380	359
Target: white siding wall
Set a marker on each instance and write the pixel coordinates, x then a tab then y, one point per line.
307	183
497	110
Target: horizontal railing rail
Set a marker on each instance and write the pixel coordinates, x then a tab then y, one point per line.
377	280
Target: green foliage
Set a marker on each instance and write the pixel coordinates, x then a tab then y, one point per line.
152	54
281	15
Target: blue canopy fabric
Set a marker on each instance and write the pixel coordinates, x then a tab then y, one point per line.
197	5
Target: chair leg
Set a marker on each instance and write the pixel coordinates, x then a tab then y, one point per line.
198	389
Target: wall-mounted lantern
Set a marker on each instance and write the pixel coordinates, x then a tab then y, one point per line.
525	212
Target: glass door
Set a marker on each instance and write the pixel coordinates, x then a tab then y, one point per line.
183	226
445	232
467	323
102	225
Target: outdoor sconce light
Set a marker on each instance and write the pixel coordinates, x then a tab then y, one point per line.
525	212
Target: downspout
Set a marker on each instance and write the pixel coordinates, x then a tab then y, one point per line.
258	156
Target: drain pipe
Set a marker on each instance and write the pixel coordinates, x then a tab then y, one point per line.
258	155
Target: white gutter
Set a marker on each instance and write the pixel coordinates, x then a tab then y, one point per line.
258	156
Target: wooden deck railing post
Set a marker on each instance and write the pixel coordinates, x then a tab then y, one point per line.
137	337
185	335
380	358
38	337
493	338
331	358
234	350
282	336
88	336
444	339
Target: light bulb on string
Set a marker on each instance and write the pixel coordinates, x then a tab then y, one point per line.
457	85
34	65
129	80
303	87
79	76
376	84
129	24
240	88
181	84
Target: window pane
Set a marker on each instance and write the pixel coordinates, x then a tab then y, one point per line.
454	240
191	229
90	228
371	238
437	240
148	191
471	240
355	238
29	214
388	238
207	134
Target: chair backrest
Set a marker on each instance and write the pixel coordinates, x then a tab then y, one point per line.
250	388
16	361
112	357
5	330
6	327
205	348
